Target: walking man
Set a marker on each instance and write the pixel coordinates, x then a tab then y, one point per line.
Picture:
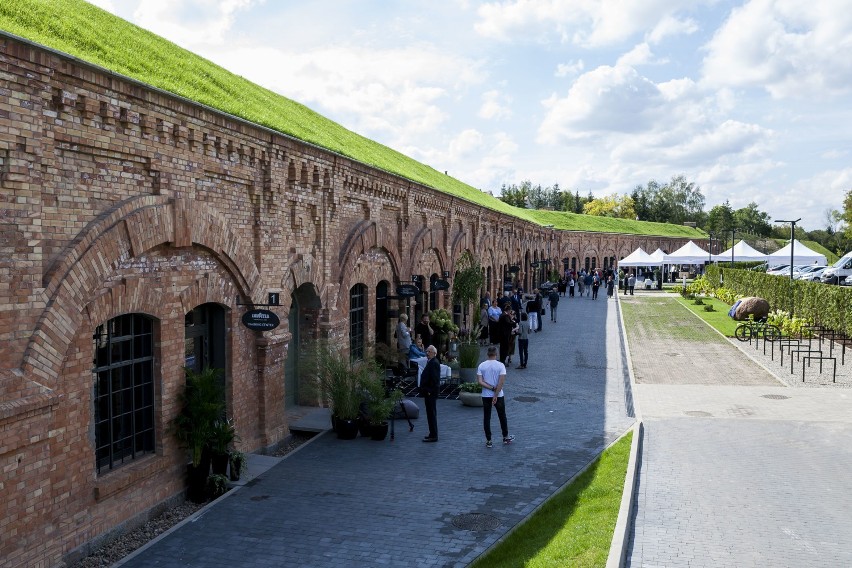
491	375
430	384
554	301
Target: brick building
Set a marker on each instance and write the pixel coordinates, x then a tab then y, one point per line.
134	227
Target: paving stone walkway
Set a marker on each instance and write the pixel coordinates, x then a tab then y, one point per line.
367	503
739	471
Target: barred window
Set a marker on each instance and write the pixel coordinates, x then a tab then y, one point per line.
357	319
123	375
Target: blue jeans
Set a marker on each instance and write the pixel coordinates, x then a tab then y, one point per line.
523	351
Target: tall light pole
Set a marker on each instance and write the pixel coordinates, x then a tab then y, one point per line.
792	256
733	232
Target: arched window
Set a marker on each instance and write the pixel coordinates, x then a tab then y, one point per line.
123	374
357	319
433	294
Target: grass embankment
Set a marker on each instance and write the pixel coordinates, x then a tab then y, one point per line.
91	34
573	528
718	318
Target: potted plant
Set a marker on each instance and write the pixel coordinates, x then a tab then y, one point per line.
378	404
468	361
238	464
470	394
222	435
337	380
202	404
467	283
442	322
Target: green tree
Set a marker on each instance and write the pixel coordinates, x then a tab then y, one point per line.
515	195
846	215
751	220
720	218
618	206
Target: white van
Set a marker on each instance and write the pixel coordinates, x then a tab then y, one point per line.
838	271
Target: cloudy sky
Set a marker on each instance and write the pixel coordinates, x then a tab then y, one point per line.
751	100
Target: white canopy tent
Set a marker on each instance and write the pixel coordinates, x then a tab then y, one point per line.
742	252
801	255
659	255
690	253
639	258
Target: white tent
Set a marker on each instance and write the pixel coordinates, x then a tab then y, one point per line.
639	258
659	255
801	255
690	253
743	252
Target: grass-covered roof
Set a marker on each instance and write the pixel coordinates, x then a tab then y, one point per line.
90	34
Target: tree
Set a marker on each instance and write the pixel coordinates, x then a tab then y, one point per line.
847	214
515	195
618	206
752	221
720	218
676	202
468	282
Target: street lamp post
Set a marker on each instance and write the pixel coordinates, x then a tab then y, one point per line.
733	232
792	256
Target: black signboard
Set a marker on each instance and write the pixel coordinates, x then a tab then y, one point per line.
260	320
407	290
514	268
534	264
440	285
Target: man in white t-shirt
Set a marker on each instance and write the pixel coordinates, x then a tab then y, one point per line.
491	375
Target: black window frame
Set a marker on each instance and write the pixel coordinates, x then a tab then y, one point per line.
123	390
357	322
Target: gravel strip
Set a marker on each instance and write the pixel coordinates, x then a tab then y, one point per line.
126	543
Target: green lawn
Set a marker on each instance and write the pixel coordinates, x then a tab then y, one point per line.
574	528
91	34
718	318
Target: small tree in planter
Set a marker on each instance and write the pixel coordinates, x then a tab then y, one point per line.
238	464
337	381
468	361
467	283
222	435
202	404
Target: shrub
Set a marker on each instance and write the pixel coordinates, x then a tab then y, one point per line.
709	308
698	302
470	387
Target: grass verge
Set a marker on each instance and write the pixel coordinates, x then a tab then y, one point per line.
573	528
718	318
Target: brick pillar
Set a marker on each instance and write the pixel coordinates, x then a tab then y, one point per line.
272	422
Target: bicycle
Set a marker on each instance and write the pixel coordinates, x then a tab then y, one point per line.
757	329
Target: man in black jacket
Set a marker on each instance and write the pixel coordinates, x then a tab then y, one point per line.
430	384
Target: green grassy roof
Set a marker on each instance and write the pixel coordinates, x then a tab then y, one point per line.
93	35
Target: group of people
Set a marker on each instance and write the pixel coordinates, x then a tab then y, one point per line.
491	375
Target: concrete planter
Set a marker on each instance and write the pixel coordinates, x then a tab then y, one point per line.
471	398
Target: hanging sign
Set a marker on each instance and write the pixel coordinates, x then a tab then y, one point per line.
440	285
260	320
407	290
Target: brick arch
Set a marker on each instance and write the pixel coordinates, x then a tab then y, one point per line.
363	237
134	228
423	241
303	269
131	295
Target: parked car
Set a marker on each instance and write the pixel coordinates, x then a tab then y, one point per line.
800	271
813	275
847	281
783	270
838	271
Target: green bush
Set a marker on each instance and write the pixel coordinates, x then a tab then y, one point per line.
709	308
698	302
470	387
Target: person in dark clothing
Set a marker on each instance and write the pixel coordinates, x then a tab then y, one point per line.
610	286
596	284
424	330
430	384
506	324
554	301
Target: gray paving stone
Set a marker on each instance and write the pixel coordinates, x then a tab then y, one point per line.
366	503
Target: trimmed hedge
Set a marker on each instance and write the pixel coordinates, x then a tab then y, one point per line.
826	305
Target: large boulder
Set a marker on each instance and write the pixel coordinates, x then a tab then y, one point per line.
751	306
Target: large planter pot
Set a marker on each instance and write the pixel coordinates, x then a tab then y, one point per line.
467	375
220	463
471	398
196	478
379	432
364	427
347	429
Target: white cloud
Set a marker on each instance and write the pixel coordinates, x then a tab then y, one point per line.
788	47
191	23
107	5
495	105
588	23
639	55
466	143
670	26
569	69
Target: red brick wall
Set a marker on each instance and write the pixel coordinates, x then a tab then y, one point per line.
120	199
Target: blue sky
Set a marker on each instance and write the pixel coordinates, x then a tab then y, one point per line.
750	100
